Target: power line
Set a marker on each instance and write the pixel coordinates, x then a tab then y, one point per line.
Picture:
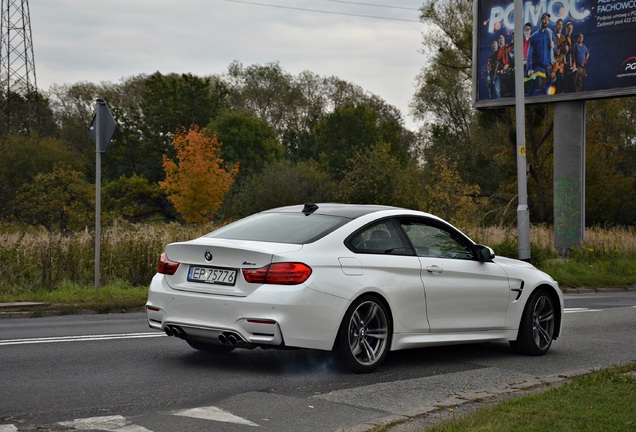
374	5
323	11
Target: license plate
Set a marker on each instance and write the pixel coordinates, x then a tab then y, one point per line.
212	275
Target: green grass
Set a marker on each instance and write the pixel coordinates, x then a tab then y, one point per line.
600	401
602	272
69	297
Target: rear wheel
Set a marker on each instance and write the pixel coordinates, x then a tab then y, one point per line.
209	347
365	335
536	330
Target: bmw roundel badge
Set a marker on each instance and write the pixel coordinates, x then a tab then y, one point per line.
208	256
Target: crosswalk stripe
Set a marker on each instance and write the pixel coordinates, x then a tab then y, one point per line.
213	413
115	423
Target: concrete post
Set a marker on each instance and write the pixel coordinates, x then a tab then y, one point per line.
569	175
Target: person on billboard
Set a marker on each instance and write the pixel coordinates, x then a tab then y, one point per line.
540	57
559	56
581	55
505	60
568	58
527	32
493	72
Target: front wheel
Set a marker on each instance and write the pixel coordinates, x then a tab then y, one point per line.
537	327
365	335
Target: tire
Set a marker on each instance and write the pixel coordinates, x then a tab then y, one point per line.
210	348
537	326
364	337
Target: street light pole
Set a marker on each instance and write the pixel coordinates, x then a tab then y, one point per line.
523	213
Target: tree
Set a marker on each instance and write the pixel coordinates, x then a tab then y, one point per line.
171	102
378	176
444	86
294	105
24	157
27	113
197	182
247	140
280	183
610	170
148	109
350	130
266	91
61	199
136	200
128	151
448	196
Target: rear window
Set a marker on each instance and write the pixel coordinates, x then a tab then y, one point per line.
280	228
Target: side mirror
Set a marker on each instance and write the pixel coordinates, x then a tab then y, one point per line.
484	253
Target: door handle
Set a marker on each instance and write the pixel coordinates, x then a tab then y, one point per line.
434	269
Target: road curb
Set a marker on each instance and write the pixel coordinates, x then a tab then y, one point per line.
41	309
586	290
463	403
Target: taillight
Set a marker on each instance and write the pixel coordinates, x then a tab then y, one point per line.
278	274
166	266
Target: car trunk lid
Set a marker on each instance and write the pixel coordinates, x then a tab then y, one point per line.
214	266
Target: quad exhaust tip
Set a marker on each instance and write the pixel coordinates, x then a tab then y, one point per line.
225	338
175	331
229	339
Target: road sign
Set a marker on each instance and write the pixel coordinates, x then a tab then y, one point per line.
102	126
101	130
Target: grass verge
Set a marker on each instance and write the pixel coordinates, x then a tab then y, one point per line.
600	401
71	297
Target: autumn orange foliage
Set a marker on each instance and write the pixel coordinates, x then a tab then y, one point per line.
197	182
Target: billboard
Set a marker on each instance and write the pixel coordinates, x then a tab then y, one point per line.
573	49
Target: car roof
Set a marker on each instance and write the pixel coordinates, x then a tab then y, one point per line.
351	211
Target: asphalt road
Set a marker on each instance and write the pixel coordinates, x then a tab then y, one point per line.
112	373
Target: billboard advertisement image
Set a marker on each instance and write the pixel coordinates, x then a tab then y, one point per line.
572	49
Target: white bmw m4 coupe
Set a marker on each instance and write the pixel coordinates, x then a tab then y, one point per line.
358	280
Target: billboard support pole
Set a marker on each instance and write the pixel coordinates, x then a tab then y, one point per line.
523	213
569	176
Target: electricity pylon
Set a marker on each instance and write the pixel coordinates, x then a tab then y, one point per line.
18	84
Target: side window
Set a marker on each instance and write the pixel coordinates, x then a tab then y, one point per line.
435	241
381	238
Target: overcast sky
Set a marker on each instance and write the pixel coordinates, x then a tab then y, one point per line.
107	40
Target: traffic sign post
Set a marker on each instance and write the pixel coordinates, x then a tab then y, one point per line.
101	130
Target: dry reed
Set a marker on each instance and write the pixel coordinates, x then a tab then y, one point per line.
34	259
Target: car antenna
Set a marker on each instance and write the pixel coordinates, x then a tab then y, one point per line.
309	208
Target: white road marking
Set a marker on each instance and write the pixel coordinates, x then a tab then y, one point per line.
579	310
8	428
107	423
215	414
83	338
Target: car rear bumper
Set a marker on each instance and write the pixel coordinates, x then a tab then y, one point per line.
292	316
